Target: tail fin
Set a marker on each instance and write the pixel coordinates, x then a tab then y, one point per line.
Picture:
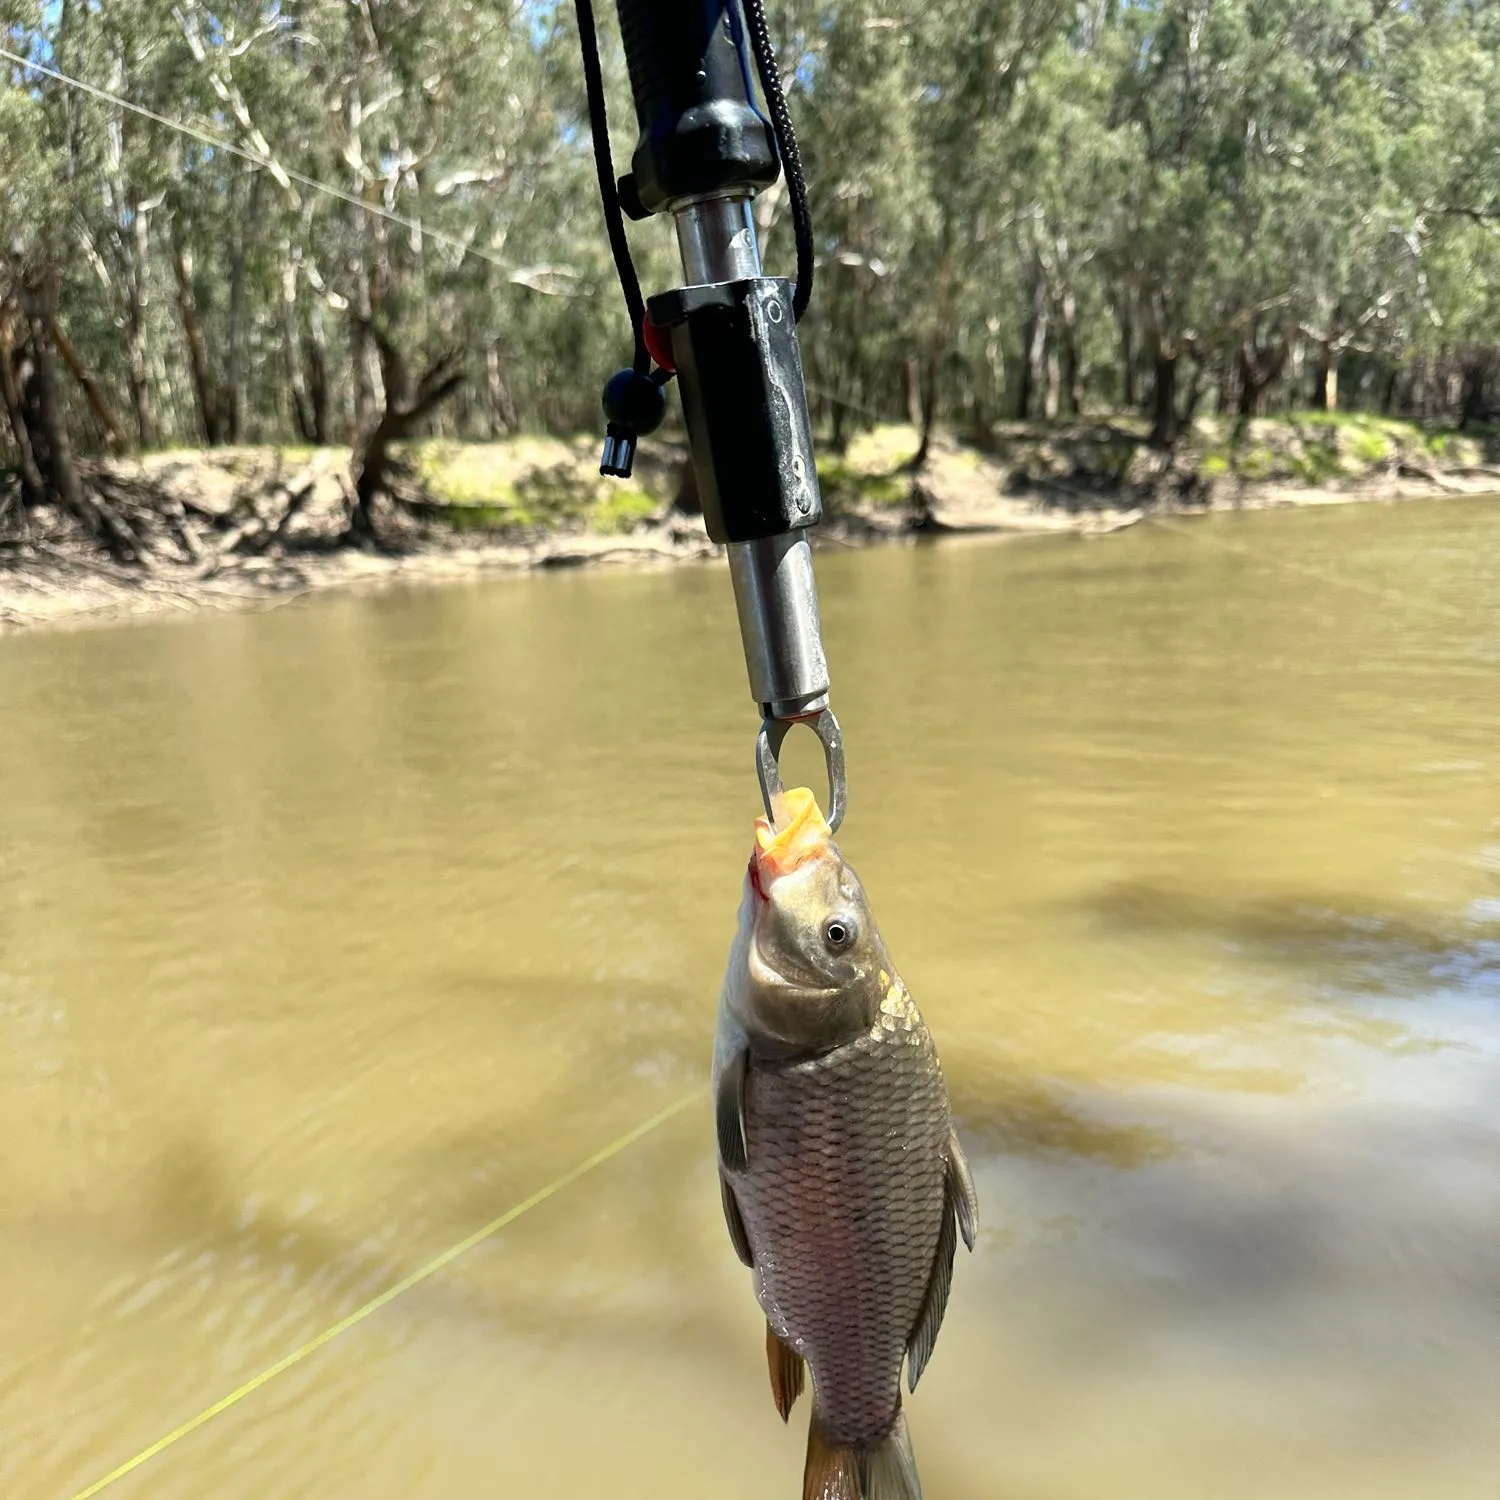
886	1470
891	1467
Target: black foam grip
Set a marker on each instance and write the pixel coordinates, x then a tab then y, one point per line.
690	73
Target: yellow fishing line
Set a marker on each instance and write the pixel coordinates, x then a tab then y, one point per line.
436	1264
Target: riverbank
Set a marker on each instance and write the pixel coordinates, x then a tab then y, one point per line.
258	527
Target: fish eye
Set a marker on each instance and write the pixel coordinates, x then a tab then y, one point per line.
840	932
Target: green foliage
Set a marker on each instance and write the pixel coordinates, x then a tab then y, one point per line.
1024	207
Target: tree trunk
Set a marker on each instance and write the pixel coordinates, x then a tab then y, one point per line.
1126	321
911	380
1388	395
192	328
502	411
838	437
1475	407
234	375
362	348
33	488
929	411
1325	387
135	332
1164	425
1249	389
315	355
1070	395
49	434
688	501
1416	390
404	412
114	435
1228	392
937	344
1034	348
1189	407
1258	370
302	415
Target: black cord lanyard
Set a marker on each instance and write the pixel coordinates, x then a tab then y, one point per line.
786	144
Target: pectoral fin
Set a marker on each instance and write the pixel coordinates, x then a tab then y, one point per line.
735	1222
788	1372
935	1302
960	1216
961	1190
729	1112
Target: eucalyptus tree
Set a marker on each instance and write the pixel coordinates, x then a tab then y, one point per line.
262	220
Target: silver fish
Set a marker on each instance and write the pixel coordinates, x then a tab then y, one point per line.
842	1178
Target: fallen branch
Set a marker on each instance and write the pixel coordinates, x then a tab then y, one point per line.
86	564
1416	471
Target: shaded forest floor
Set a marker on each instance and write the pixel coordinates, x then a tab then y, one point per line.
247	527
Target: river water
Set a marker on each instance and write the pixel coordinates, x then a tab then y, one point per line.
330	934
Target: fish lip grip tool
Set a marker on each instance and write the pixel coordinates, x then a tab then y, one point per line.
729	336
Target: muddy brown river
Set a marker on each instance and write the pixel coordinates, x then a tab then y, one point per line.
330	935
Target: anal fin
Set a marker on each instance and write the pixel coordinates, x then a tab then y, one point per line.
788	1373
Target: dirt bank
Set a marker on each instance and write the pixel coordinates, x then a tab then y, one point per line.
256	527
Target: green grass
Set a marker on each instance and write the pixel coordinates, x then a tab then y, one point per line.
1358	420
1255	462
869	471
1321	447
463	474
885	489
529	485
1316	464
479	518
623	511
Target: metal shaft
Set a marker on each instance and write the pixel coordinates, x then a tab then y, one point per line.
716	237
774	590
777	601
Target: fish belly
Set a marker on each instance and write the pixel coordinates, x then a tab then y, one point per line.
843	1198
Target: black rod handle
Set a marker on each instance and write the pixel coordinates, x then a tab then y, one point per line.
702	132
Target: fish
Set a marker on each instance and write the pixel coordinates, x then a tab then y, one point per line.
843	1183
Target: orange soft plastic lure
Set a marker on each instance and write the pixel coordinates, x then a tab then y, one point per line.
800	833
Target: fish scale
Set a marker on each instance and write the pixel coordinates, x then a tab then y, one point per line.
843	1201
